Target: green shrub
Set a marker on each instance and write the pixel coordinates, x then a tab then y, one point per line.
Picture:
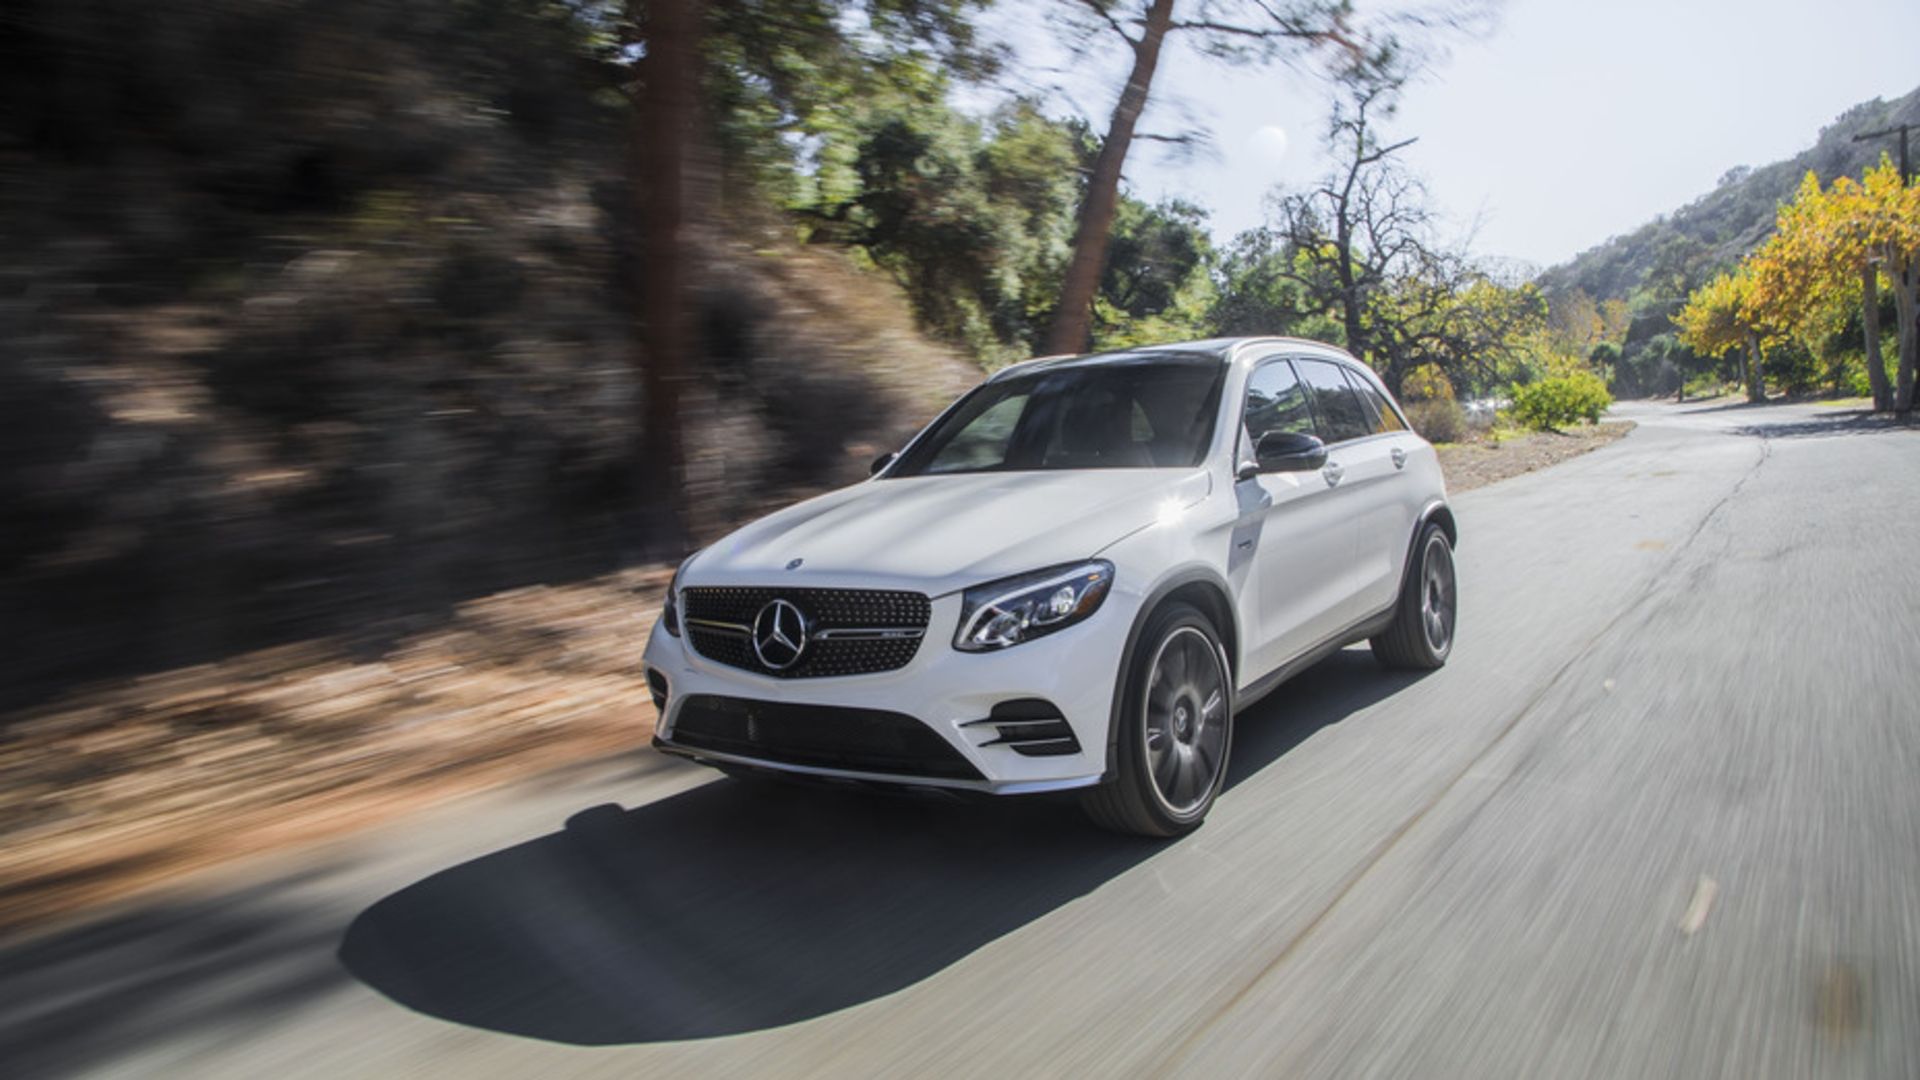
1555	402
1705	385
1437	420
1854	380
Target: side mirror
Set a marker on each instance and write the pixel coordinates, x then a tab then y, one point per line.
881	462
1287	451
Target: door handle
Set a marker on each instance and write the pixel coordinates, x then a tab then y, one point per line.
1333	472
1399	458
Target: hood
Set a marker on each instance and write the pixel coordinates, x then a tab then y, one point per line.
937	534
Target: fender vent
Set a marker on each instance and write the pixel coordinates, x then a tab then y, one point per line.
1030	726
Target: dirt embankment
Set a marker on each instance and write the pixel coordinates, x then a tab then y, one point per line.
1477	464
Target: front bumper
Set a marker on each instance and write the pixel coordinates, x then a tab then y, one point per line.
947	691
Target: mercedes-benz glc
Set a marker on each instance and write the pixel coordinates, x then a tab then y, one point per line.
1074	578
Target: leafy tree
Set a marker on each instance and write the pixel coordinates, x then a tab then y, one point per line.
764	69
1482	332
1723	316
1256	292
1155	252
974	219
1826	241
1426	383
1364	224
1240	32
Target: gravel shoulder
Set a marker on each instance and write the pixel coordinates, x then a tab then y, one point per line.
1477	464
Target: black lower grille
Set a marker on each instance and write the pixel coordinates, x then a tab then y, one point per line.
848	631
823	736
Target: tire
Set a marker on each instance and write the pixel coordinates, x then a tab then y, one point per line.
1420	638
1176	729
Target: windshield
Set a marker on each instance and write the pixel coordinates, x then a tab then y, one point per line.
1131	413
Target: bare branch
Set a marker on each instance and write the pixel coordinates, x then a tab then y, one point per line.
1101	10
1369	159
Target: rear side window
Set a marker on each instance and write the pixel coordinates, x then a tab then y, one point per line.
1277	402
1341	413
1379	410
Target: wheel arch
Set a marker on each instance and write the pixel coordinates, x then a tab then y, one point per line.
1202	589
1436	513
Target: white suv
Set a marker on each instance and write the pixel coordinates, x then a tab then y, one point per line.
1073	578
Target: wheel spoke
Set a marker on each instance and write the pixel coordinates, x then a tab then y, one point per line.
1183	779
1166	771
1205	762
1160	702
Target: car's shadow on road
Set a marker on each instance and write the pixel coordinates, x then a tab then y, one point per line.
737	907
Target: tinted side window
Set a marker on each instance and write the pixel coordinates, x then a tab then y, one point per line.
1341	414
1379	411
1277	402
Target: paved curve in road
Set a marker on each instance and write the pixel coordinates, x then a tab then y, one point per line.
1660	816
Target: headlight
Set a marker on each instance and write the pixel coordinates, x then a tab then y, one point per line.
1013	610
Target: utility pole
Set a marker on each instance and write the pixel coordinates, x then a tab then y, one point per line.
1906	169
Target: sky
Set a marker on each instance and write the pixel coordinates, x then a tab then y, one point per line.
1571	122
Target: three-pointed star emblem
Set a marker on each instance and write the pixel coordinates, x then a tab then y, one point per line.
779	635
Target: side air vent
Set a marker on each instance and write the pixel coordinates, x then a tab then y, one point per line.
1030	726
657	687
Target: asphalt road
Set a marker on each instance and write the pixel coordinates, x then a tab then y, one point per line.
1660	816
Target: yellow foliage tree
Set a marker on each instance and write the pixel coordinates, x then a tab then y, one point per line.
1723	315
1824	241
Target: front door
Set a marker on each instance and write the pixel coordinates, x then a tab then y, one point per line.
1302	578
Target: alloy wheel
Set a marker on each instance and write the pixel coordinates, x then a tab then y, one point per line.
1186	719
1437	595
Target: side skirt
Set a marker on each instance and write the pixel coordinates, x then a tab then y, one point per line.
1268	683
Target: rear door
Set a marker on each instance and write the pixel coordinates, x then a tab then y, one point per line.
1388	527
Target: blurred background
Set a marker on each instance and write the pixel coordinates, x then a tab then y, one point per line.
366	366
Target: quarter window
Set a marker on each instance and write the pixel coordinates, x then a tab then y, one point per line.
1340	412
1379	410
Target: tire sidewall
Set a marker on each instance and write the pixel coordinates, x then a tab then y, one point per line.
1433	534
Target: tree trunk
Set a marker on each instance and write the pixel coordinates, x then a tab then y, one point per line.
1756	381
1870	319
1350	290
1906	283
663	131
1073	320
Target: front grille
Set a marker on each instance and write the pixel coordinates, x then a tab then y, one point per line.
718	622
823	736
